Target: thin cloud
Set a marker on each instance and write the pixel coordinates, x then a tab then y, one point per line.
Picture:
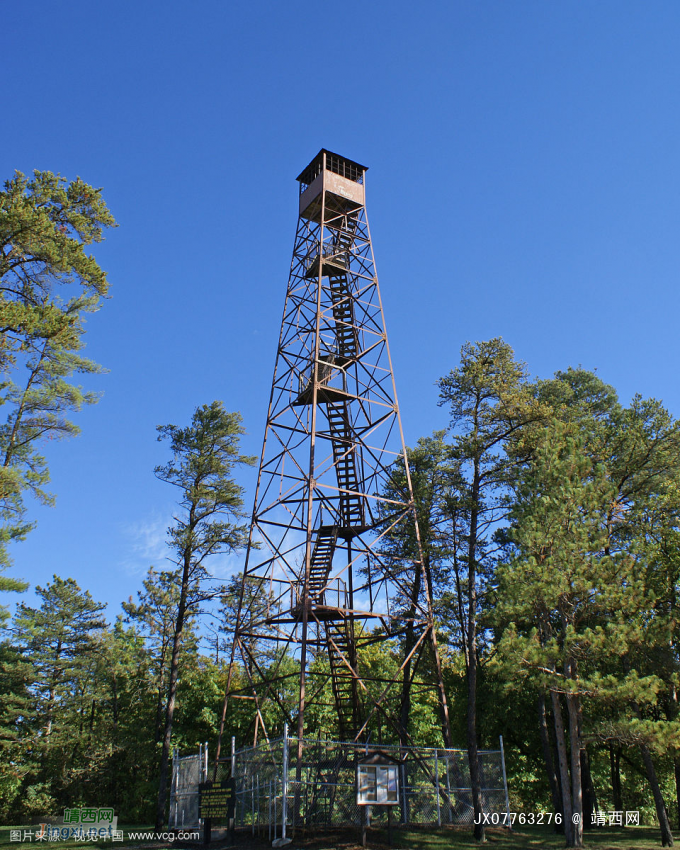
223	567
146	544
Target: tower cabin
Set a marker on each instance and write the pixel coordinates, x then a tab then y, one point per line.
342	181
335	185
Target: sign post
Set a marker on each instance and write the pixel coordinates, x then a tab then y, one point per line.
377	785
213	802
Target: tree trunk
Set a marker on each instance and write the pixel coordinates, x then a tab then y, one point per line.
664	825
660	806
409	641
471	677
159	717
172	693
615	773
676	765
436	659
551	773
574	712
114	704
473	754
589	797
564	769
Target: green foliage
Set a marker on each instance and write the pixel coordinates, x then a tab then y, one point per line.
61	643
203	458
16	677
492	406
549	517
45	223
578	596
154	619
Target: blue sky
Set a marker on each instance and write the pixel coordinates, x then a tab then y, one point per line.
523	182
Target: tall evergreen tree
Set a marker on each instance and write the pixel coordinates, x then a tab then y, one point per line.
573	604
126	709
203	458
490	402
45	223
155	618
16	713
61	639
432	474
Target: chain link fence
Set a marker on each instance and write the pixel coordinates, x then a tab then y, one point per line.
273	789
187	773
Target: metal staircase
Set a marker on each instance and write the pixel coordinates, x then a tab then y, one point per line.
341	299
322	561
345	459
339	626
343	314
340	641
340	634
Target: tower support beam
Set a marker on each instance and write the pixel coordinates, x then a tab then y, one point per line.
330	579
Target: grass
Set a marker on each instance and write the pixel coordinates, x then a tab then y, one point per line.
526	838
454	838
6	843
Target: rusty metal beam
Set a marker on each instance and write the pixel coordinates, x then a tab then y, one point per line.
322	516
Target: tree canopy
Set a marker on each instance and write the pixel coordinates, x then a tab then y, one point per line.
48	283
549	515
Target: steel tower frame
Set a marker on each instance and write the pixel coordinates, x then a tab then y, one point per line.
320	576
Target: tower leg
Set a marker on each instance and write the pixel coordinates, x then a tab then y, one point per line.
332	451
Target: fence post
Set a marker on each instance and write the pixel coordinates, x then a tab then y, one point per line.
173	791
276	803
436	775
448	787
505	783
200	777
284	782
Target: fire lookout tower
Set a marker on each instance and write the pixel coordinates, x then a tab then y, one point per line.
334	563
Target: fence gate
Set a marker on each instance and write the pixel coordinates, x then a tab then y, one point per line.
187	772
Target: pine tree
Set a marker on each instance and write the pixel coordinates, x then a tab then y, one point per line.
155	617
490	403
61	639
45	223
434	474
203	458
571	604
16	712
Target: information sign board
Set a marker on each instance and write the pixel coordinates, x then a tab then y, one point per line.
213	800
377	785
